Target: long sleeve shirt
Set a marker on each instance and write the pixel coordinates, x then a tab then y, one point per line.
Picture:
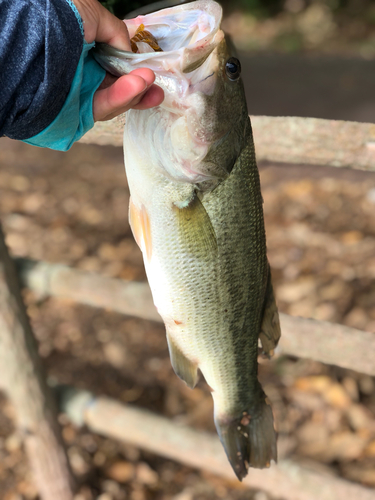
47	77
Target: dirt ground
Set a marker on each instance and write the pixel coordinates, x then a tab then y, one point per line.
72	208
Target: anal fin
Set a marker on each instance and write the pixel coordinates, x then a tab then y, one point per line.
183	367
270	330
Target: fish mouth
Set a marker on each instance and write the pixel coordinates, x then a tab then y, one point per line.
187	35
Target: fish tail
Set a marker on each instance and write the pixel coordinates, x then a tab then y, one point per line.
249	440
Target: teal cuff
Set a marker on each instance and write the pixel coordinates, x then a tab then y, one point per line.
76	116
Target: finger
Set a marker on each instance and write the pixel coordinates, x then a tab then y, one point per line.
112	30
118	96
153	97
147	74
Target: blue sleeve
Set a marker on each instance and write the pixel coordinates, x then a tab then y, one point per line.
76	116
41	43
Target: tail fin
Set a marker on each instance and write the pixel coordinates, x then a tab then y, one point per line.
249	441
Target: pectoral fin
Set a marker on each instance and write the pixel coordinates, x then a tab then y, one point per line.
184	368
141	229
270	331
196	229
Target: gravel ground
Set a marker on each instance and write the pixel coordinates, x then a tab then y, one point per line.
72	208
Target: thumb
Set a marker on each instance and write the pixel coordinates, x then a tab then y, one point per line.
102	26
111	30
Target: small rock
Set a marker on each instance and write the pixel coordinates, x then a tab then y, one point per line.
12	496
292	292
16	243
260	495
361	474
186	494
78	249
345	446
115	354
120	471
307	400
357	318
351	387
146	475
104	335
333	291
337	396
13	443
371	195
359	417
69	434
332	392
111	487
99	459
313	438
89	443
33	202
19	183
90	215
107	251
138	495
27	489
105	496
351	237
325	312
318	383
91	264
366	385
370	449
77	462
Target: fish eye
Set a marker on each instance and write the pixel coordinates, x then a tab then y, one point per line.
233	69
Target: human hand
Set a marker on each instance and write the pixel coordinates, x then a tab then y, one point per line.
116	95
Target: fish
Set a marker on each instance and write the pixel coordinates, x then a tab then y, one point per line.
196	212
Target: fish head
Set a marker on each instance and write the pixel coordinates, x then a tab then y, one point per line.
200	124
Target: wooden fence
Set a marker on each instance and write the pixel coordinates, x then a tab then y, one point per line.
293	140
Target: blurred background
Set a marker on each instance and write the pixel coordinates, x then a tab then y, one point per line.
303	58
300	57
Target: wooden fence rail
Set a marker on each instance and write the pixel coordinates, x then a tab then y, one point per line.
306	338
287	139
287	480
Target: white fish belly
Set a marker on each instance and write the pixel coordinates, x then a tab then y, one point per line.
211	304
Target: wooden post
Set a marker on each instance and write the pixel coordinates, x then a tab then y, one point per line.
22	378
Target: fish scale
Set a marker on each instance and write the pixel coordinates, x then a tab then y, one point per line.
196	213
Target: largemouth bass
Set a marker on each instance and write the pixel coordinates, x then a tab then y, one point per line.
196	213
